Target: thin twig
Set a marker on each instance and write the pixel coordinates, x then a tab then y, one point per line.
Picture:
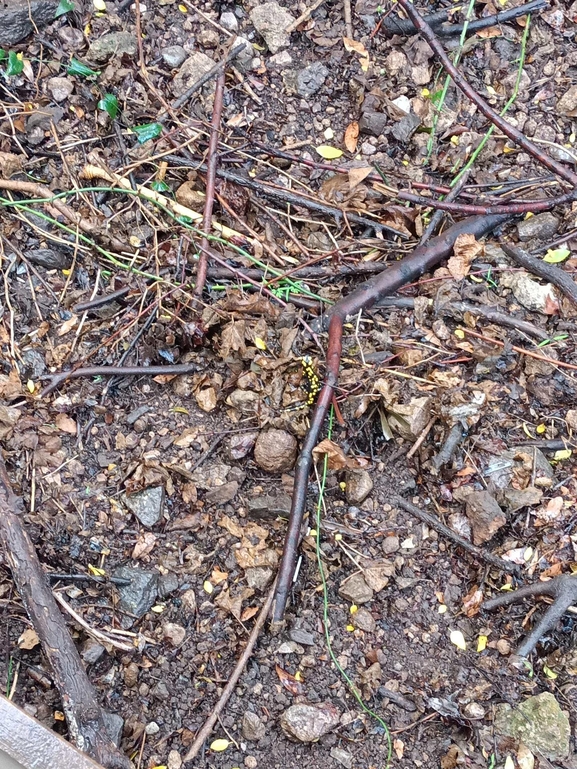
440	527
437	217
97	634
521	350
305	15
233	680
63	376
553	274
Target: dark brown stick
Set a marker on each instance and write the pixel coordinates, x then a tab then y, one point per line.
404	271
513	209
510	131
436	21
437	217
79	703
100	301
440	527
553	274
493	315
562	589
211	164
57	379
233	680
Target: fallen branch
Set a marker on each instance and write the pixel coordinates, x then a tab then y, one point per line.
562	589
470	209
436	21
305	15
404	271
83	714
521	350
510	131
211	162
437	217
445	531
493	315
454	437
206	729
57	379
554	275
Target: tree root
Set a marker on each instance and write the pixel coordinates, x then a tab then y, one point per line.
83	714
553	274
562	589
366	295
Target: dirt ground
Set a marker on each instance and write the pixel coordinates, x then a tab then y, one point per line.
403	601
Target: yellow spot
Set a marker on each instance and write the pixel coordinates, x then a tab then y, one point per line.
208	588
159	608
425	93
458	639
354	609
482	643
259	343
442	609
183	9
351	628
338	537
459	333
30	386
219	745
342	486
100	5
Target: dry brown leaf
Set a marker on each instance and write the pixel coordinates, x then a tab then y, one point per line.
472	602
10	385
233	604
218	576
66	424
466	248
356	175
353	45
232	339
337	459
29	639
186	438
144	545
206	399
10	164
376	574
289	682
352	137
231	526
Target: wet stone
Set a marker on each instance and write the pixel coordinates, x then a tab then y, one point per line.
311	79
91	651
539	227
147	505
173	56
539	723
114	726
270	21
308	723
355	590
137	597
19	17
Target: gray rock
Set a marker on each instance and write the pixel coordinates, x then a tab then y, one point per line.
138	597
515	499
91	651
192	70
220	495
112	44
34	364
539	723
540	226
363	619
355	590
359	486
280	60
567	104
136	413
342	757
258	577
269	506
301	636
49	258
311	79
245	56
147	505
368	149
208	37
270	21
114	726
308	723
229	21
373	123
485	515
253	728
406	127
72	38
290	647
60	88
167	584
391	544
160	691
173	56
19	17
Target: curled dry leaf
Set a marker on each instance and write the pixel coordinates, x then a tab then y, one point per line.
336	456
292	684
144	545
351	139
466	248
472	602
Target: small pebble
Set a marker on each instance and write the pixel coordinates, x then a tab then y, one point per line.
151	728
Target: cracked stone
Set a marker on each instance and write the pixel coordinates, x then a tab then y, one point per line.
19	18
311	79
270	21
308	723
112	44
146	505
539	723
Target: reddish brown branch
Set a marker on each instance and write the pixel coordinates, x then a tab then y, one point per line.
404	271
470	209
177	368
211	162
463	85
83	714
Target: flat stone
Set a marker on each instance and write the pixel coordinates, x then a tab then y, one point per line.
160	691
301	636
229	21
355	590
270	21
406	127
485	515
290	647
410	419
192	70
391	544
19	17
136	413
245	56
220	495
280	60
311	79
91	651
167	584
359	486
342	757
253	728
60	88
539	723
540	227
208	37
173	56
373	123
364	620
308	723
174	634
515	499
34	364
112	44
139	596
147	505
114	726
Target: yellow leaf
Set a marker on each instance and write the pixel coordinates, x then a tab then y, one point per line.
159	608
482	643
298	676
354	609
312	533
442	609
208	588
182	8
160	766
529	214
527	431
458	639
338	537
454	141
100	5
350	628
329	153
180	410
561	455
219	745
95	571
459	333
425	93
259	343
541	428
30	386
58	715
556	255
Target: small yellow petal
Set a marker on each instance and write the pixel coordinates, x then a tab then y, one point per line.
30	386
354	609
350	628
259	343
100	5
442	609
541	428
459	333
219	745
329	153
338	537
184	9
208	588
482	643
458	639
